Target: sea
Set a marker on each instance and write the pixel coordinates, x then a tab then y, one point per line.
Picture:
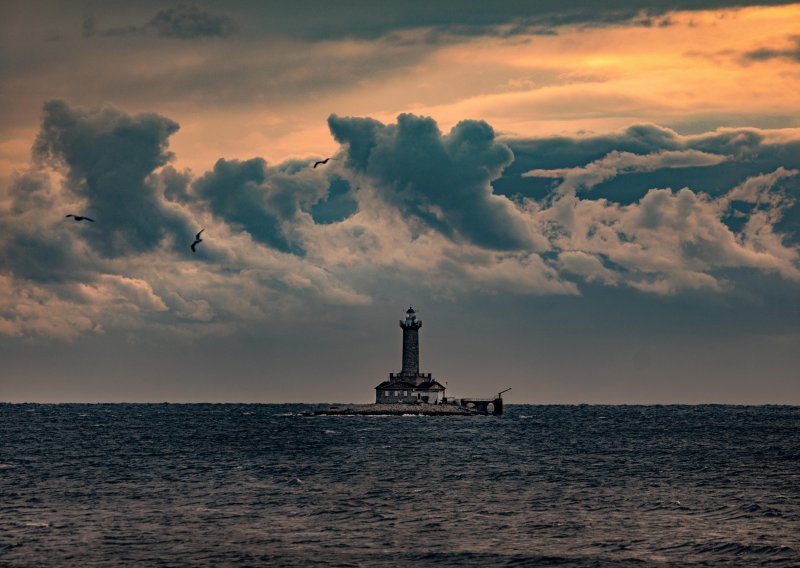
266	485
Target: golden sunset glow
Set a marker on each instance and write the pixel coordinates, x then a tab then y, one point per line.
691	71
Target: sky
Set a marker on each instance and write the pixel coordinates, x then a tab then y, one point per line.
584	203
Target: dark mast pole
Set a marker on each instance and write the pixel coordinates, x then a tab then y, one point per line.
410	343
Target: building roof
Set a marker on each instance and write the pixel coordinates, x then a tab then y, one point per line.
396	385
429	385
405	385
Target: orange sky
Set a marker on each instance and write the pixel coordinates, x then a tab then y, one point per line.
690	75
578	81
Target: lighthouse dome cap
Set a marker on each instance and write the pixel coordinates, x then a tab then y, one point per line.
410	310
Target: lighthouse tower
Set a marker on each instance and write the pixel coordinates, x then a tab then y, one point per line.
410	344
409	385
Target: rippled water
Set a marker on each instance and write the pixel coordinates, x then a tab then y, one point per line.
176	485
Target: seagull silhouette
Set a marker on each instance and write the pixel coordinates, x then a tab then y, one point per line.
197	239
79	218
325	161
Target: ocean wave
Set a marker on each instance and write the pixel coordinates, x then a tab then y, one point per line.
265	485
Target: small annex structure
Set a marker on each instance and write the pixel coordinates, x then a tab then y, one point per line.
409	385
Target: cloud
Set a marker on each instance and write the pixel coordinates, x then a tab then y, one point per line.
758	189
31	311
185	21
264	202
668	241
36	244
791	52
656	239
589	267
110	158
558	152
338	205
66	313
403	208
188	22
365	19
741	152
30	191
112	288
616	163
132	269
441	180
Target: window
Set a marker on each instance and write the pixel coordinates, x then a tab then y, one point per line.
405	393
385	393
395	393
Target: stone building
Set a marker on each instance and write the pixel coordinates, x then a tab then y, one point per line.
409	385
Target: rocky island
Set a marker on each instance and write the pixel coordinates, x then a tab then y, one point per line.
396	409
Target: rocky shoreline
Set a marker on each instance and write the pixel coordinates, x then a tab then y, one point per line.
394	410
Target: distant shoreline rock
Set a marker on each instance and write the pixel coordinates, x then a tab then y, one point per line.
395	410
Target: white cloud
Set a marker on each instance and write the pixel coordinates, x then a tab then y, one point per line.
587	266
667	241
756	189
616	163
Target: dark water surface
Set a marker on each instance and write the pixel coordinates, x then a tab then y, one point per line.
177	485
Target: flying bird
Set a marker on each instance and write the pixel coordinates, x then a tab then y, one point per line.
79	218
323	162
197	239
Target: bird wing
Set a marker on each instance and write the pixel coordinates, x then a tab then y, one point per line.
87	218
193	247
197	236
70	215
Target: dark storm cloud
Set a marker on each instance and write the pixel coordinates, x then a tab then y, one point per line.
368	19
337	206
189	21
30	190
109	156
767	53
401	206
33	249
442	180
175	184
181	22
263	201
569	151
233	192
132	267
42	257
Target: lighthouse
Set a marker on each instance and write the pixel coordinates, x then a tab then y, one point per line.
409	385
410	343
